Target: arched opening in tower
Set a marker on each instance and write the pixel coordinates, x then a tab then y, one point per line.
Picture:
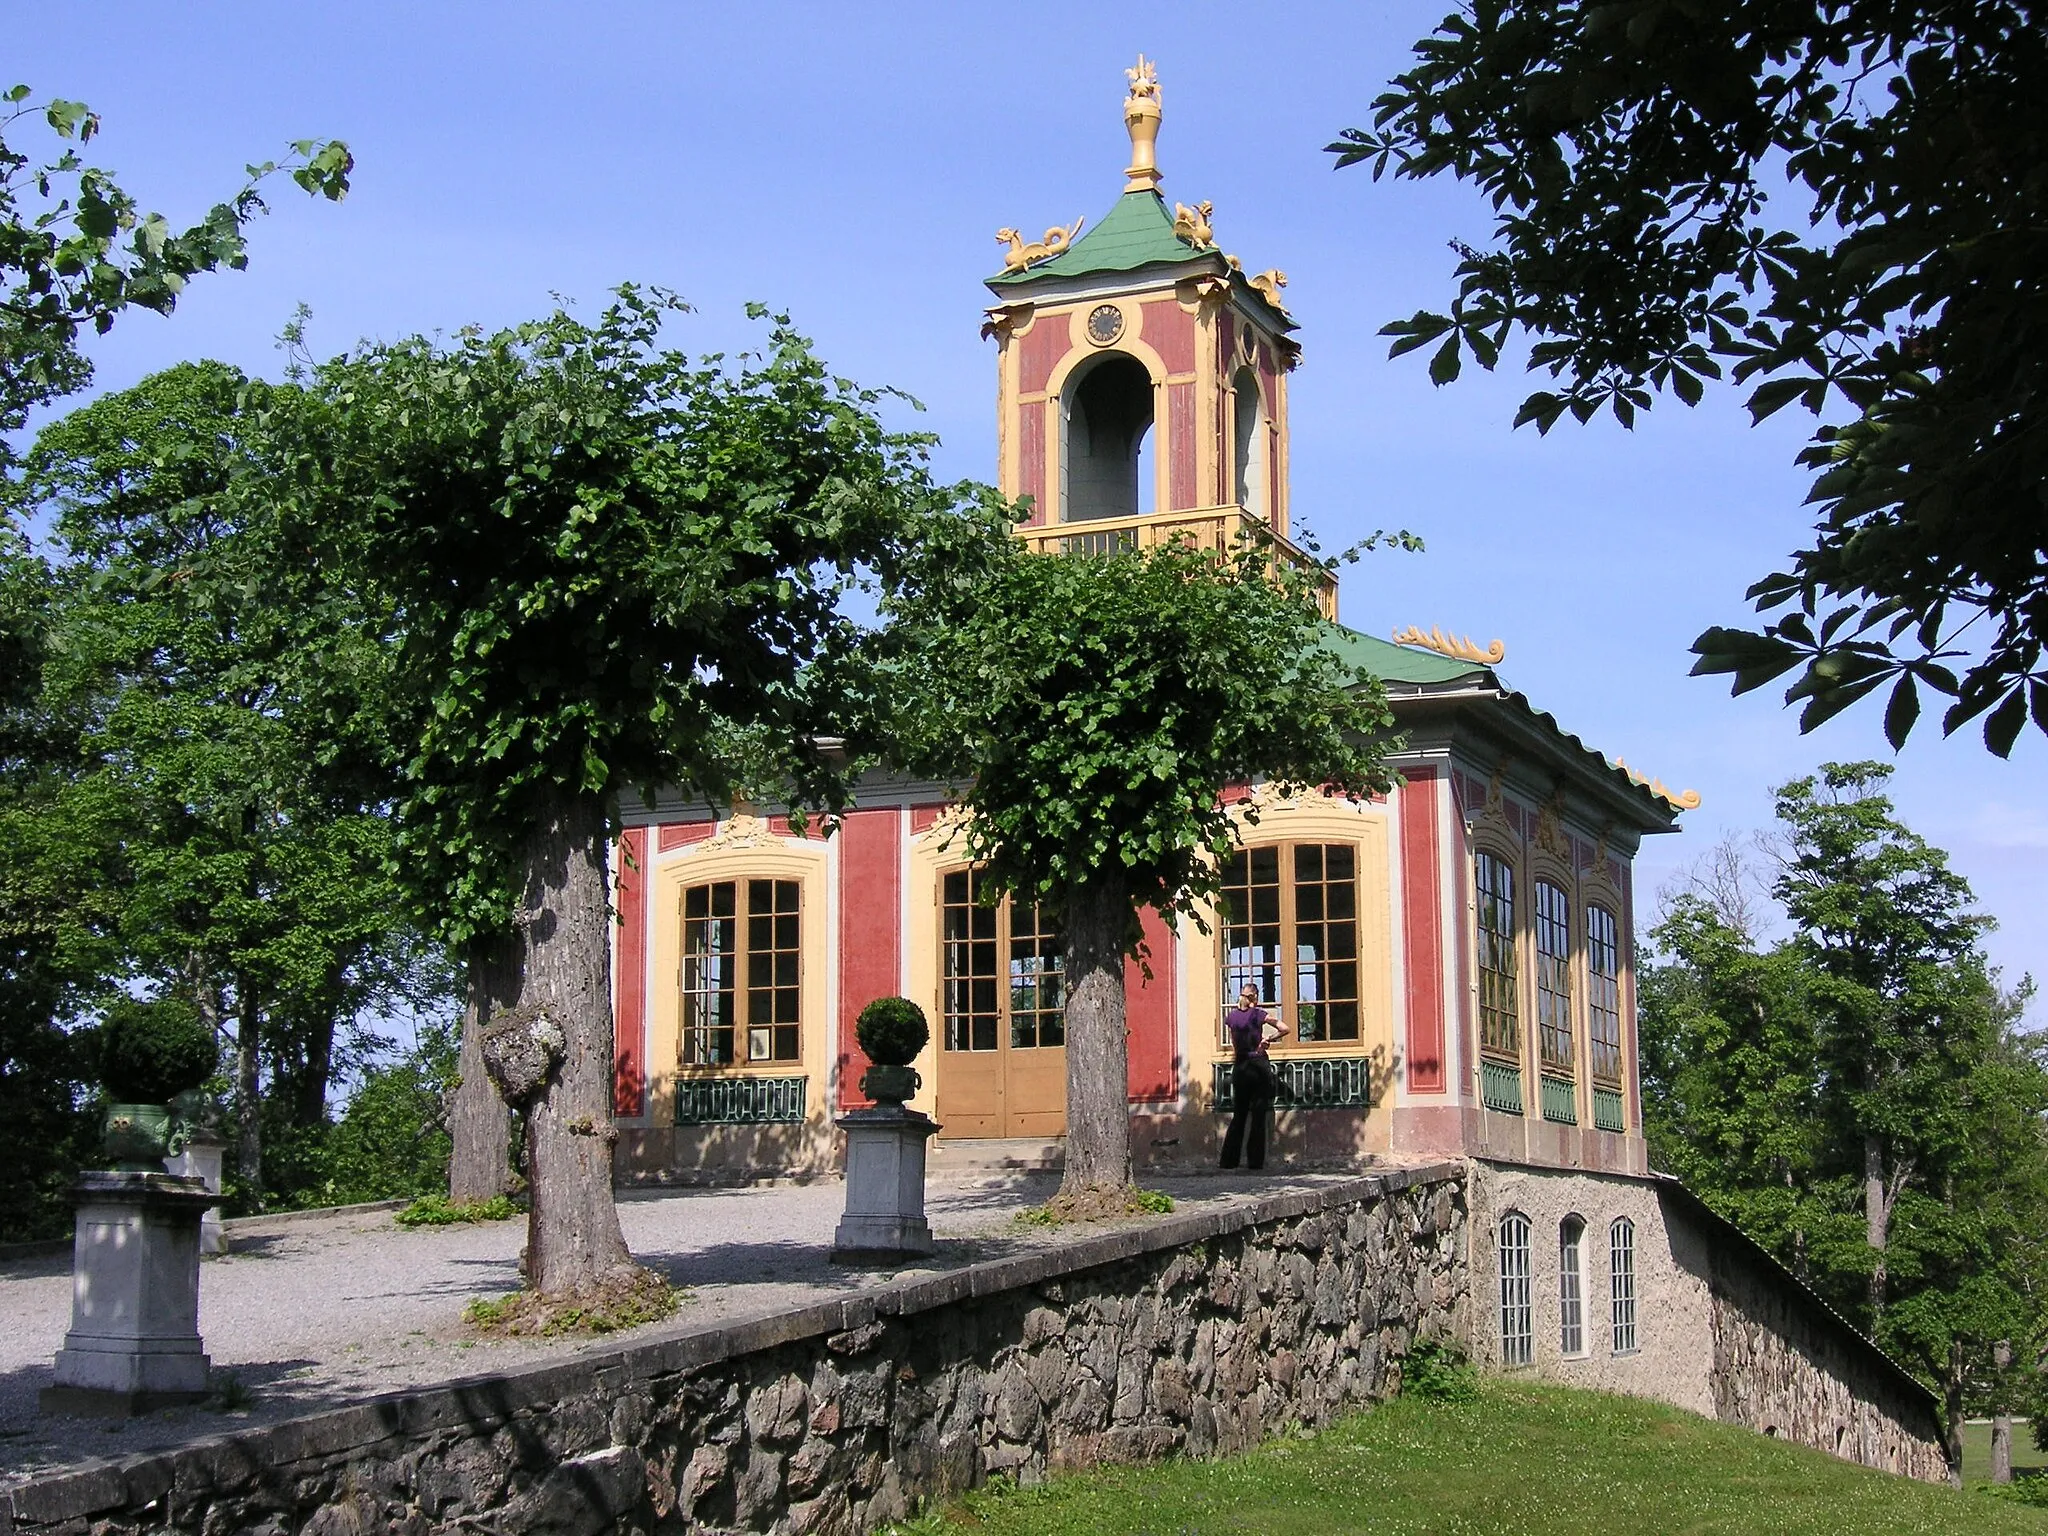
1105	463
1249	409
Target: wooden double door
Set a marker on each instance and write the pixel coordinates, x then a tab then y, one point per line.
1002	1059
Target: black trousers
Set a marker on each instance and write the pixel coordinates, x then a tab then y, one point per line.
1251	1087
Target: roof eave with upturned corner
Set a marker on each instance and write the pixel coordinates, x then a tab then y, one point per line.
1427	689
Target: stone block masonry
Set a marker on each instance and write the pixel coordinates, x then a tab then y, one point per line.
1198	1334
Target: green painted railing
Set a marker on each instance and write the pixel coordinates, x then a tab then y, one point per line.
1608	1113
739	1100
1305	1082
1500	1086
1560	1100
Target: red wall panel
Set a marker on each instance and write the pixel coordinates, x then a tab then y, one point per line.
870	922
682	834
1170	331
1154	1066
629	1005
1422	950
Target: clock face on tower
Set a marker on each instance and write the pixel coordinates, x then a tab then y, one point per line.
1105	324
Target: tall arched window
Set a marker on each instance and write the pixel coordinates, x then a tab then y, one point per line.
1249	450
1290	932
1571	1286
1001	964
1603	995
1517	1331
1500	1025
1108	415
741	980
1621	1272
1554	976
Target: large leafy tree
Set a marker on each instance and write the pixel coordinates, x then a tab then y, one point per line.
1860	1095
1093	710
189	845
1837	202
593	560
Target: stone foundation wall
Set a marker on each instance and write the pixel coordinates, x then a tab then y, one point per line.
1720	1327
1197	1334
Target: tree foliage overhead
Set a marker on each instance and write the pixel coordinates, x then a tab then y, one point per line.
1841	203
76	250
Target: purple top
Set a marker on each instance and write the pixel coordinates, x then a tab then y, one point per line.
1247	1028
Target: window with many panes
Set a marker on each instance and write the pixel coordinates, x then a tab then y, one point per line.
1621	1272
1001	968
1500	1026
742	972
1603	994
1554	976
1290	932
1517	1331
1571	1286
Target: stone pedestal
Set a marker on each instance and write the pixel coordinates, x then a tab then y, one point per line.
202	1160
134	1341
884	1220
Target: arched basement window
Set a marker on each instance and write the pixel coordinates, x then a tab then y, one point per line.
1516	1329
1249	452
1621	1270
1107	419
1571	1286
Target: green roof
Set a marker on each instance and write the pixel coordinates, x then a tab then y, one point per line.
1136	232
1396	663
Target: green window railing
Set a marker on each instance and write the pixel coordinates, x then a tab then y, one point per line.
1560	1100
740	1100
1305	1082
1608	1113
1500	1086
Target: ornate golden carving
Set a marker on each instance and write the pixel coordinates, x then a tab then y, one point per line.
954	822
1550	833
740	830
1025	253
1141	120
1192	224
1684	800
1268	284
1007	320
1458	648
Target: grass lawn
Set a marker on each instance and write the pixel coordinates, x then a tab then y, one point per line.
1521	1458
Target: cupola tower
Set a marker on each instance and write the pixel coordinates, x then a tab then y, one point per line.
1142	388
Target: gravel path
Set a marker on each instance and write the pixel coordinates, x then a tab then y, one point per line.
314	1313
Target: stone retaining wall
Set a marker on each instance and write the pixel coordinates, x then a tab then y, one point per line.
1199	1333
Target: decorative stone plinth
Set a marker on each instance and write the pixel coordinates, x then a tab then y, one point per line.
134	1342
884	1220
202	1159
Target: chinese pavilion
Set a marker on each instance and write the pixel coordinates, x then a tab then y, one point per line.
1452	963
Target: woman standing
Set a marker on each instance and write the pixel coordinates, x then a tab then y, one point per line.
1251	1078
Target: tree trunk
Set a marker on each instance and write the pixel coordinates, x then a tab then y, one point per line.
479	1126
248	1101
310	1098
1953	1381
573	1241
1876	1224
2001	1421
1097	917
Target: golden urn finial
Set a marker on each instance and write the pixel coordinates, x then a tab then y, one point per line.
1141	117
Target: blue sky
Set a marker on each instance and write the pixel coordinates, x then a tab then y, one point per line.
851	164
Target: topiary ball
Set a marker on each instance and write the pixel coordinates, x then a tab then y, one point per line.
152	1052
892	1030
